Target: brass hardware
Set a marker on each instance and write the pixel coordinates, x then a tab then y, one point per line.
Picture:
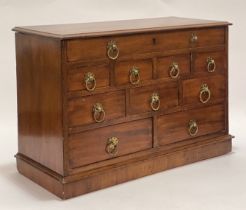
98	112
112	144
155	102
90	81
192	127
205	92
194	38
134	75
211	66
113	50
174	70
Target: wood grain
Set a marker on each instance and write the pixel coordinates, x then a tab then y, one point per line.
89	147
67	31
63	148
122	71
80	110
200	62
140	98
39	97
76	77
192	87
96	48
113	175
174	127
164	64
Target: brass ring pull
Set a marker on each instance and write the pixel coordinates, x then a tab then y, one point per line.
112	145
211	66
90	81
205	93
174	70
192	128
194	38
98	112
113	50
134	76
155	102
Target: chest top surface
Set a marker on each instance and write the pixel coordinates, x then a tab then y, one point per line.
93	29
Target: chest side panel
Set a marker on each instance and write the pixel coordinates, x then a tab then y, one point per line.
40	100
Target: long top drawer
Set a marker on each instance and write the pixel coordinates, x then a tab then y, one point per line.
102	48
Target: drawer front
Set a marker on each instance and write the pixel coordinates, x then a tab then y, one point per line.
133	72
173	66
110	142
207	37
209	62
119	46
204	90
96	108
142	98
193	123
88	78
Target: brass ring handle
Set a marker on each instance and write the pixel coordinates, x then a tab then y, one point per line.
194	38
155	102
211	65
174	70
113	50
98	112
90	81
112	145
192	127
134	75
205	93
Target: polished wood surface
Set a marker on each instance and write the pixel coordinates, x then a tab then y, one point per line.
133	137
122	71
80	110
133	44
65	75
72	186
76	77
164	65
174	127
40	131
192	88
117	27
201	64
140	98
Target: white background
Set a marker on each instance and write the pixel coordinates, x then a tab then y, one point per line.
218	183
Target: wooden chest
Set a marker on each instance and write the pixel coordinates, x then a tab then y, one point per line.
104	103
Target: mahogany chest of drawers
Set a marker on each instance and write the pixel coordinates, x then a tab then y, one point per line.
104	103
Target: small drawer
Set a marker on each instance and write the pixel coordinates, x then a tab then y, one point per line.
109	142
193	123
153	98
96	108
209	62
207	37
88	78
204	90
116	47
173	66
133	72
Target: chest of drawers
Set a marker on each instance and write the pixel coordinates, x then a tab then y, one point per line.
103	103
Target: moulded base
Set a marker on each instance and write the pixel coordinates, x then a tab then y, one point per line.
71	186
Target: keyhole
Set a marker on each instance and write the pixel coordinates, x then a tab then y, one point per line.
154	41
